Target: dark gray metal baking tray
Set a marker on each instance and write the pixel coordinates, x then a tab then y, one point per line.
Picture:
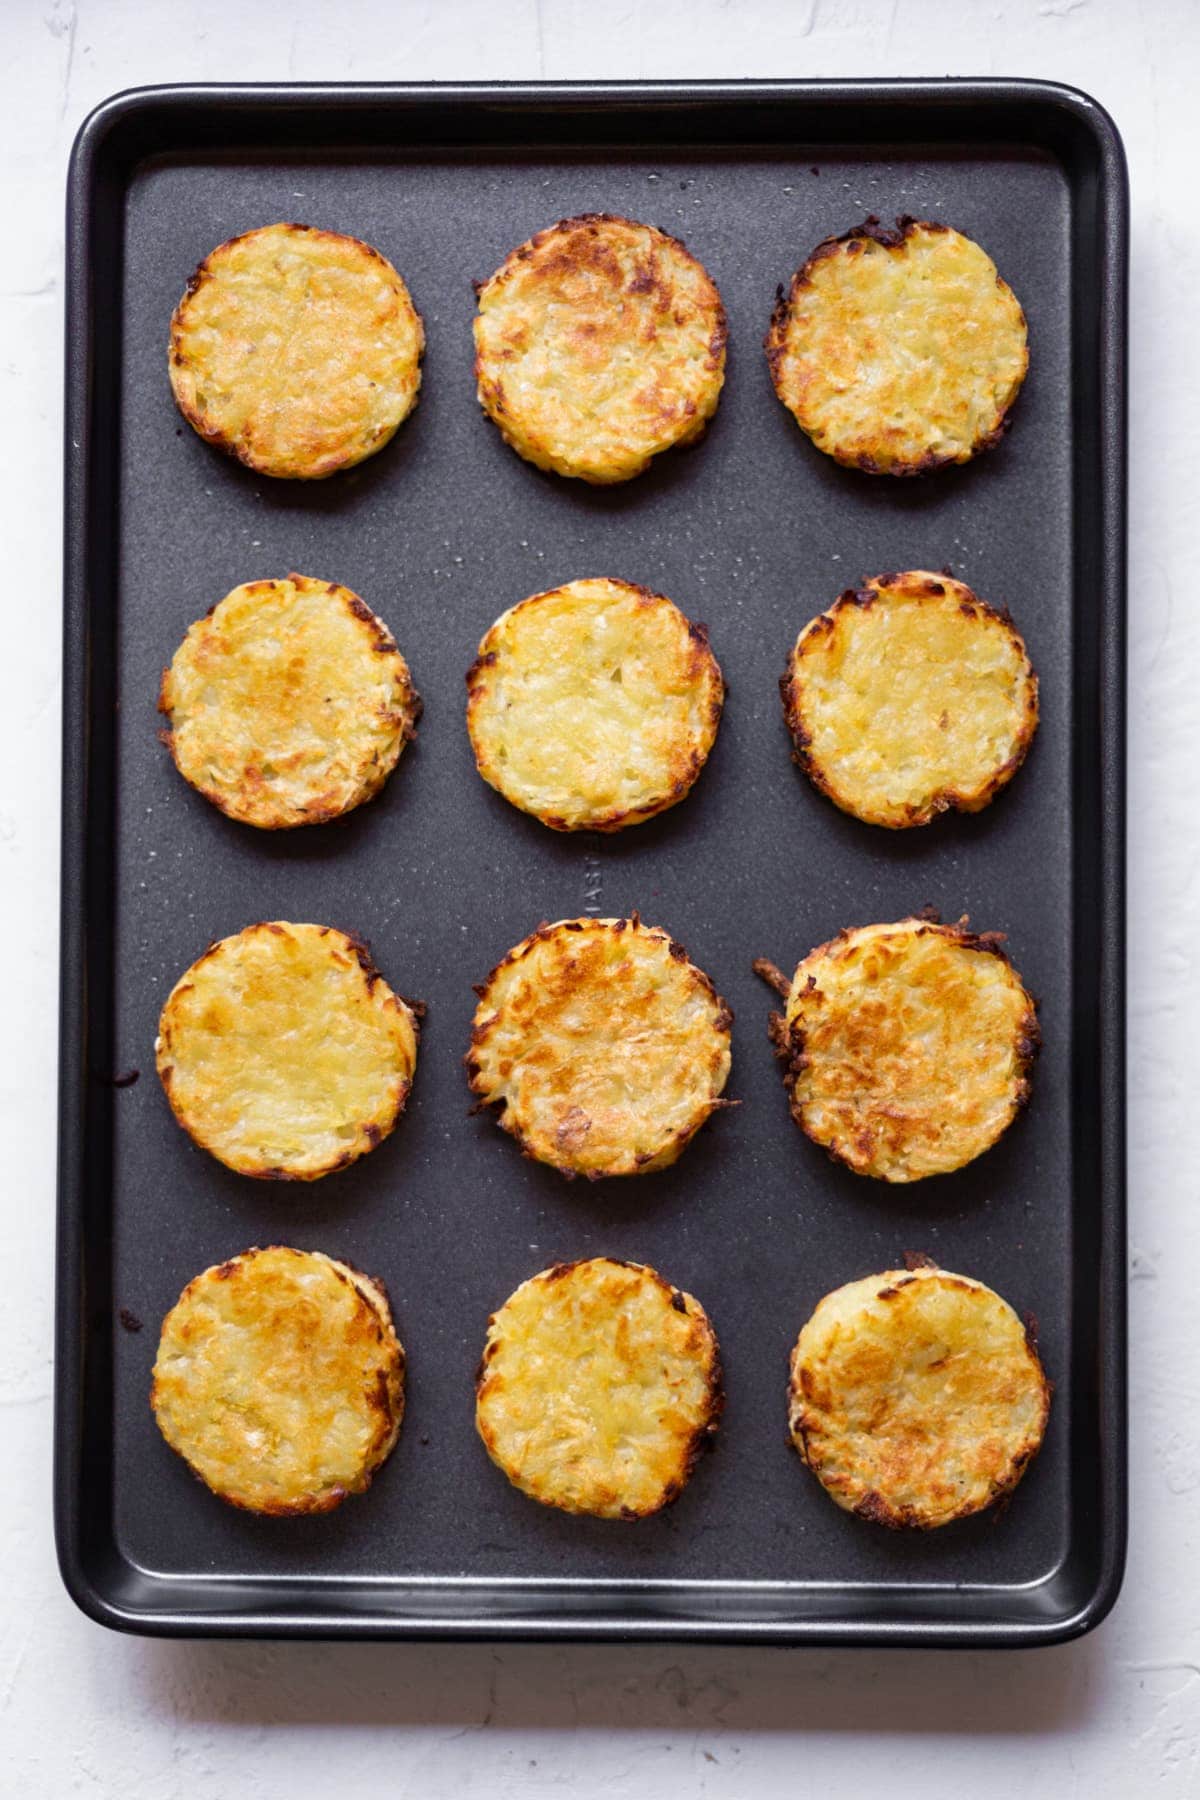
752	532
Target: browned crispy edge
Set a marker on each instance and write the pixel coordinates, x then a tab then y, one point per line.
617	819
945	799
703	1437
853	241
723	1023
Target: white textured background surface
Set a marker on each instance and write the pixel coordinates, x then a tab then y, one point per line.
1116	1715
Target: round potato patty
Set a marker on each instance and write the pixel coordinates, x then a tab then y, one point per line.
295	350
593	706
599	1386
603	1047
288	703
599	343
909	697
284	1052
916	1397
907	1048
901	350
280	1380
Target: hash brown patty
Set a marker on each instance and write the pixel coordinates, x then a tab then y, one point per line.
297	351
602	1047
284	1052
593	706
899	350
280	1380
916	1397
599	1386
288	703
599	343
909	697
906	1047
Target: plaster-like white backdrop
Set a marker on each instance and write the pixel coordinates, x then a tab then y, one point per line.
1115	1715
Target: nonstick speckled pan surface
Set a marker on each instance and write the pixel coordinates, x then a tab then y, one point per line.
752	532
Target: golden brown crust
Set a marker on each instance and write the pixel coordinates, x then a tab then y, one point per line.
284	1053
598	1388
908	697
288	703
599	343
280	1380
602	1047
295	350
899	351
906	1048
916	1397
594	705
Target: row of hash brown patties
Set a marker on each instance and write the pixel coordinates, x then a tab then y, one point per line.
594	706
599	344
915	1396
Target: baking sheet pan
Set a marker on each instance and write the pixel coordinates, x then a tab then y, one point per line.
752	532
